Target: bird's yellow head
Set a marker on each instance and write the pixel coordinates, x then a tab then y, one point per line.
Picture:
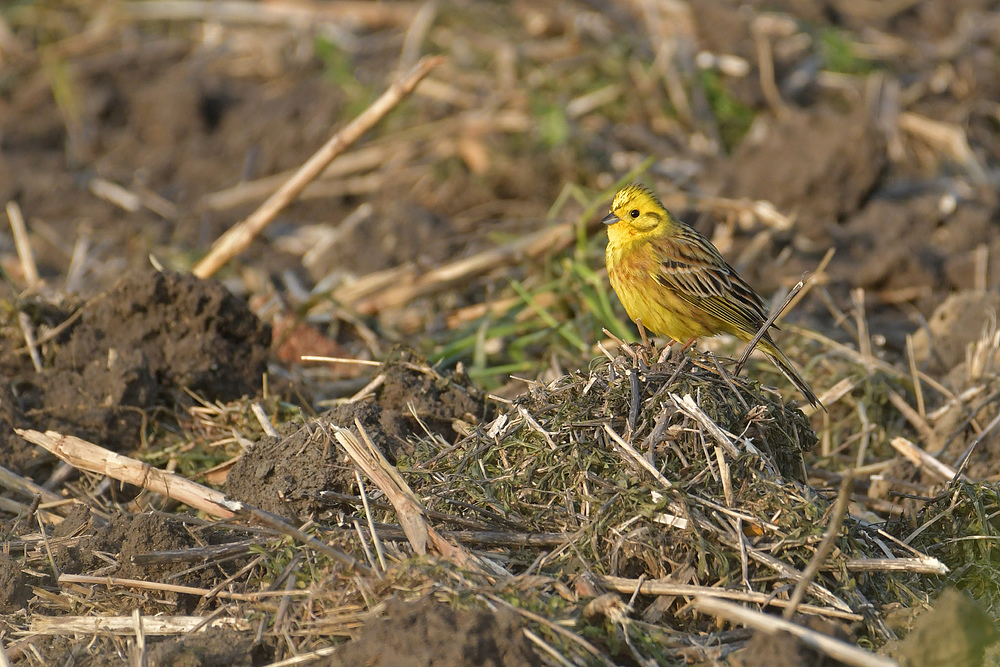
636	213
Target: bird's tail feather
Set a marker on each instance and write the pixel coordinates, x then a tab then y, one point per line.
786	368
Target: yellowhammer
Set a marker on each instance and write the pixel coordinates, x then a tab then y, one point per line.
673	280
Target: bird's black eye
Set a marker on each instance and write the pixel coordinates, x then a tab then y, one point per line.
634	213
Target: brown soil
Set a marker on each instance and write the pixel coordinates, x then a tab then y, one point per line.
430	634
289	475
955	631
14	589
845	158
783	649
130	353
780	649
215	647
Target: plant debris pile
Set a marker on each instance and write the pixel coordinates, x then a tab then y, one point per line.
714	502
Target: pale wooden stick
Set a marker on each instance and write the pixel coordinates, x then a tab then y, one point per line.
835	648
368	389
77	264
376	540
949	138
920	565
422	22
140	638
831	395
123	625
633	454
22	244
788	572
544	646
237	238
92	458
88	456
306	658
29	340
726	475
294	14
116	194
658	587
262	419
13	507
174	588
11	480
864	340
688	406
408	507
761	29
922	459
913	416
918	388
340	360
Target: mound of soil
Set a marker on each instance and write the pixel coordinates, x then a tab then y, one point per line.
783	649
127	536
131	350
215	647
955	632
429	634
287	476
819	164
911	245
14	590
191	333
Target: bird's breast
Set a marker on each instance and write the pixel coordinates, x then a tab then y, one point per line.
632	271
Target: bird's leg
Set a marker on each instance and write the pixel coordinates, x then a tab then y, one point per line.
642	331
683	349
647	346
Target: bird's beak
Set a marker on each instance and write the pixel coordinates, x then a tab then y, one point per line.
610	219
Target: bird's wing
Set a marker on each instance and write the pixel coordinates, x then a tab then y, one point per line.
691	267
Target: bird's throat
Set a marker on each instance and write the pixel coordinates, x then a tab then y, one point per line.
624	241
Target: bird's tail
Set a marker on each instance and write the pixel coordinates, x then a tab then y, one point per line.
785	366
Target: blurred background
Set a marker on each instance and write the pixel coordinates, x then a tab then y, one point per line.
464	224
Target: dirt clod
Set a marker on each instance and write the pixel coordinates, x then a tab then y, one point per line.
954	633
215	647
821	164
429	634
783	649
956	323
130	351
169	330
287	476
14	590
128	536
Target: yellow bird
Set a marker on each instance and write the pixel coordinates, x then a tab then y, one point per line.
672	279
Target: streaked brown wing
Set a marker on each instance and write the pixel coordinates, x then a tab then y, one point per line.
693	269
